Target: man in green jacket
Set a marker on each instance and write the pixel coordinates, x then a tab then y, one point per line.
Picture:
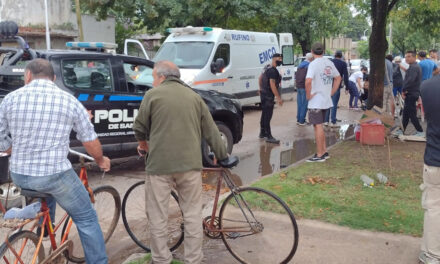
174	119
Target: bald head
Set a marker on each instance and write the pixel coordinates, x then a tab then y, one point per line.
39	69
163	70
166	69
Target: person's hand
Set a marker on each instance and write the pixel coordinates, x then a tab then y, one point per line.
311	96
259	91
403	95
142	150
280	101
104	163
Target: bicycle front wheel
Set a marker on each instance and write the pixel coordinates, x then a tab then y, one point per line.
135	218
25	244
108	207
254	220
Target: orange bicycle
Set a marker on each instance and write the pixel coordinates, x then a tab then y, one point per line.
250	221
25	246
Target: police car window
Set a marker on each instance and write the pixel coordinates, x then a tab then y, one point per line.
288	55
189	55
139	77
87	74
223	51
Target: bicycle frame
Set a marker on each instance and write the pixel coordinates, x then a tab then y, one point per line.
224	174
44	212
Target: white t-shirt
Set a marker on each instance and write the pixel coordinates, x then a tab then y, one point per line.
321	71
355	76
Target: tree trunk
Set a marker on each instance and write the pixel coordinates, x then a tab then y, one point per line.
378	46
304	46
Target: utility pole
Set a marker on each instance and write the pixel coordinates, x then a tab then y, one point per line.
79	21
47	26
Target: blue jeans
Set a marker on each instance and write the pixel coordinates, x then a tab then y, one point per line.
354	94
335	100
67	189
397	89
302	105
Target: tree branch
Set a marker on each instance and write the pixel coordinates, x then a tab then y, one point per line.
391	5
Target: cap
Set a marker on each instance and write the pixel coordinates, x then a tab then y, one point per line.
317	48
277	55
309	56
422	54
398	58
338	53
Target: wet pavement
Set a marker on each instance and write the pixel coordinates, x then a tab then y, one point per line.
257	159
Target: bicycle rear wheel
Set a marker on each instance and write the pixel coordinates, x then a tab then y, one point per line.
135	218
108	207
24	241
255	220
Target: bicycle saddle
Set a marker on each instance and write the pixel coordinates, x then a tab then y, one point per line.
34	194
229	162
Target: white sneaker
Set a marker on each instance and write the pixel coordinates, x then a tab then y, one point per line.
397	132
419	134
325	124
424	258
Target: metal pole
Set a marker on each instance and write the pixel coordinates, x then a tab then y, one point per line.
365	37
78	18
47	26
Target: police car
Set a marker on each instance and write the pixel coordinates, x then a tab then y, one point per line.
111	87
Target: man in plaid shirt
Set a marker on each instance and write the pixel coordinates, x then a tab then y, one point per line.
39	118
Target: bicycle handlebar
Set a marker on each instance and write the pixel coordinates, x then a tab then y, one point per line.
79	154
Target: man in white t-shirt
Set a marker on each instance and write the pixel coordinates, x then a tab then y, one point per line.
354	85
322	81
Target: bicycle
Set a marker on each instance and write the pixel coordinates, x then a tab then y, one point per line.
250	220
25	246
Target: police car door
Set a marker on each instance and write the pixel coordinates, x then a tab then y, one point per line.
91	79
135	78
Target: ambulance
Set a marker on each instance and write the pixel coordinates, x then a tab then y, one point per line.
228	61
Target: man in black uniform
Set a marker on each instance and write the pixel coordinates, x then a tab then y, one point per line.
270	81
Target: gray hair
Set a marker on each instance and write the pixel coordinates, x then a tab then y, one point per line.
40	69
167	69
309	56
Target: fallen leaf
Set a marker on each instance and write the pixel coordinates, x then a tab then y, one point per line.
283	176
277	187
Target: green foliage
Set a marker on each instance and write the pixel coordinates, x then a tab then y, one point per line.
356	27
312	20
363	49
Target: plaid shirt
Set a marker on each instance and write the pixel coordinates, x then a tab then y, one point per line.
40	117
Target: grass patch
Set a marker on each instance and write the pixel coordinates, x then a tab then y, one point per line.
147	258
333	192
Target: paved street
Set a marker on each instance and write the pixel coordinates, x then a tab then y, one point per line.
319	242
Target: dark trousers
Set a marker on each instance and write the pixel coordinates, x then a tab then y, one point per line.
410	112
334	109
354	94
267	105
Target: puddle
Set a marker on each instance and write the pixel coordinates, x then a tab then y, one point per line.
268	158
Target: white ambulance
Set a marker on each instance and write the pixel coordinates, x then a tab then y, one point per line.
228	61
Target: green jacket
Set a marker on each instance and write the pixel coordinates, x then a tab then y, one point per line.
174	119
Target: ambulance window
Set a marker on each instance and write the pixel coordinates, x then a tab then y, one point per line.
223	52
288	58
87	74
139	77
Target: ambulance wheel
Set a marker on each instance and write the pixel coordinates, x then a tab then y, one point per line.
207	154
